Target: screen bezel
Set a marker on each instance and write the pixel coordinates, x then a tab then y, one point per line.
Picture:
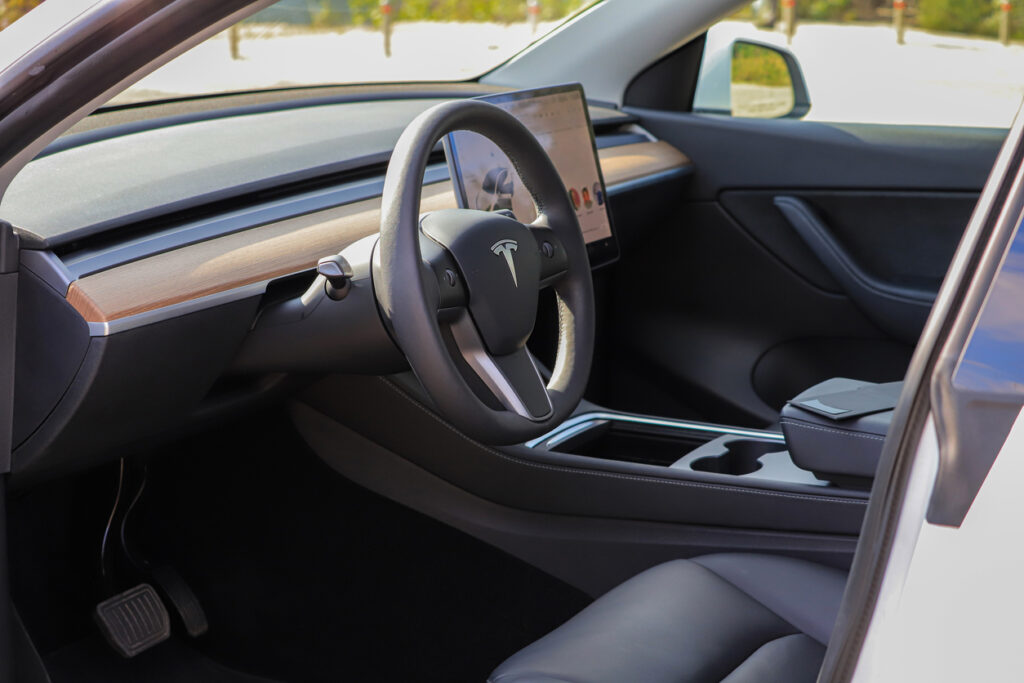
600	252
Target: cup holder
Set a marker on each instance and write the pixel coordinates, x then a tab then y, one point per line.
739	457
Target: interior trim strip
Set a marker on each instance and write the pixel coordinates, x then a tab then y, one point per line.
102	329
653	179
583	421
160	283
566	434
471	347
49	267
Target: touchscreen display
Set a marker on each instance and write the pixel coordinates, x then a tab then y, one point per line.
485	179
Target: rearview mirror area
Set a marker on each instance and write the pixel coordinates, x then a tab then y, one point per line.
748	79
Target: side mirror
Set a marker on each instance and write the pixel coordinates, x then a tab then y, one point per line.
751	79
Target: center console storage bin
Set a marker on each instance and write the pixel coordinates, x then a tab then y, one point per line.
727	454
739	456
631	442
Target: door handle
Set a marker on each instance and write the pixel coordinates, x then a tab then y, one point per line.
899	310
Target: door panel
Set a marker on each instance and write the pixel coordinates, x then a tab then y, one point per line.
727	308
695	308
734	153
899	309
880	230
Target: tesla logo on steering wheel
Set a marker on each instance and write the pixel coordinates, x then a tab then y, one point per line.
505	248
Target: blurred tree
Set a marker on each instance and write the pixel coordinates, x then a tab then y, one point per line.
990	26
304	13
961	16
12	10
364	12
498	11
865	10
827	10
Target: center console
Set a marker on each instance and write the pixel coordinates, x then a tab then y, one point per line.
729	454
832	438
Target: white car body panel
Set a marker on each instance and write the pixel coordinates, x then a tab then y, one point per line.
950	604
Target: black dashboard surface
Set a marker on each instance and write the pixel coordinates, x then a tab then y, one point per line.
104	182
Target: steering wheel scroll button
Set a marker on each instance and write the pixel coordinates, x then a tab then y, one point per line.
337	272
555	262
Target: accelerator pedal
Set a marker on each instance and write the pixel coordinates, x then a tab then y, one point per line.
134	621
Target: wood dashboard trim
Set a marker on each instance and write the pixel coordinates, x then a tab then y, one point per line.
289	246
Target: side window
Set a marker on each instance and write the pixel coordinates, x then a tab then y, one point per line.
866	61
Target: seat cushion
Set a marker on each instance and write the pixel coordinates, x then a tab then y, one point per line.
729	617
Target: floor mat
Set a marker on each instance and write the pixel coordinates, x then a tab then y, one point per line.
308	577
92	661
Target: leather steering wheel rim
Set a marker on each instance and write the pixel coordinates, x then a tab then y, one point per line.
408	299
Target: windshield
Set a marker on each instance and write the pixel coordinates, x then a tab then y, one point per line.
321	42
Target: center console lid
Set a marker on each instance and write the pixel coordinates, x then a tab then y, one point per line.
836	428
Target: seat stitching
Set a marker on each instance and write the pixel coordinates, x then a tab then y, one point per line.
612	475
755	599
727	582
843	432
526	676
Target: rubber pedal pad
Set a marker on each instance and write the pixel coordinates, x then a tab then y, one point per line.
134	621
182	599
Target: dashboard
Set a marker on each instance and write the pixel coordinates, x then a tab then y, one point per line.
152	240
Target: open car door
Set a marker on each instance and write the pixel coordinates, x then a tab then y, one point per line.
936	575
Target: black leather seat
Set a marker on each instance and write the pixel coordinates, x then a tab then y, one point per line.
728	617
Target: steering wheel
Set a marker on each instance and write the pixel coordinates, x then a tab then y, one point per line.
459	288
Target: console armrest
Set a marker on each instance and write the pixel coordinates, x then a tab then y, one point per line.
836	429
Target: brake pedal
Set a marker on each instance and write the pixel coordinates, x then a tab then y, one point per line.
134	621
182	599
